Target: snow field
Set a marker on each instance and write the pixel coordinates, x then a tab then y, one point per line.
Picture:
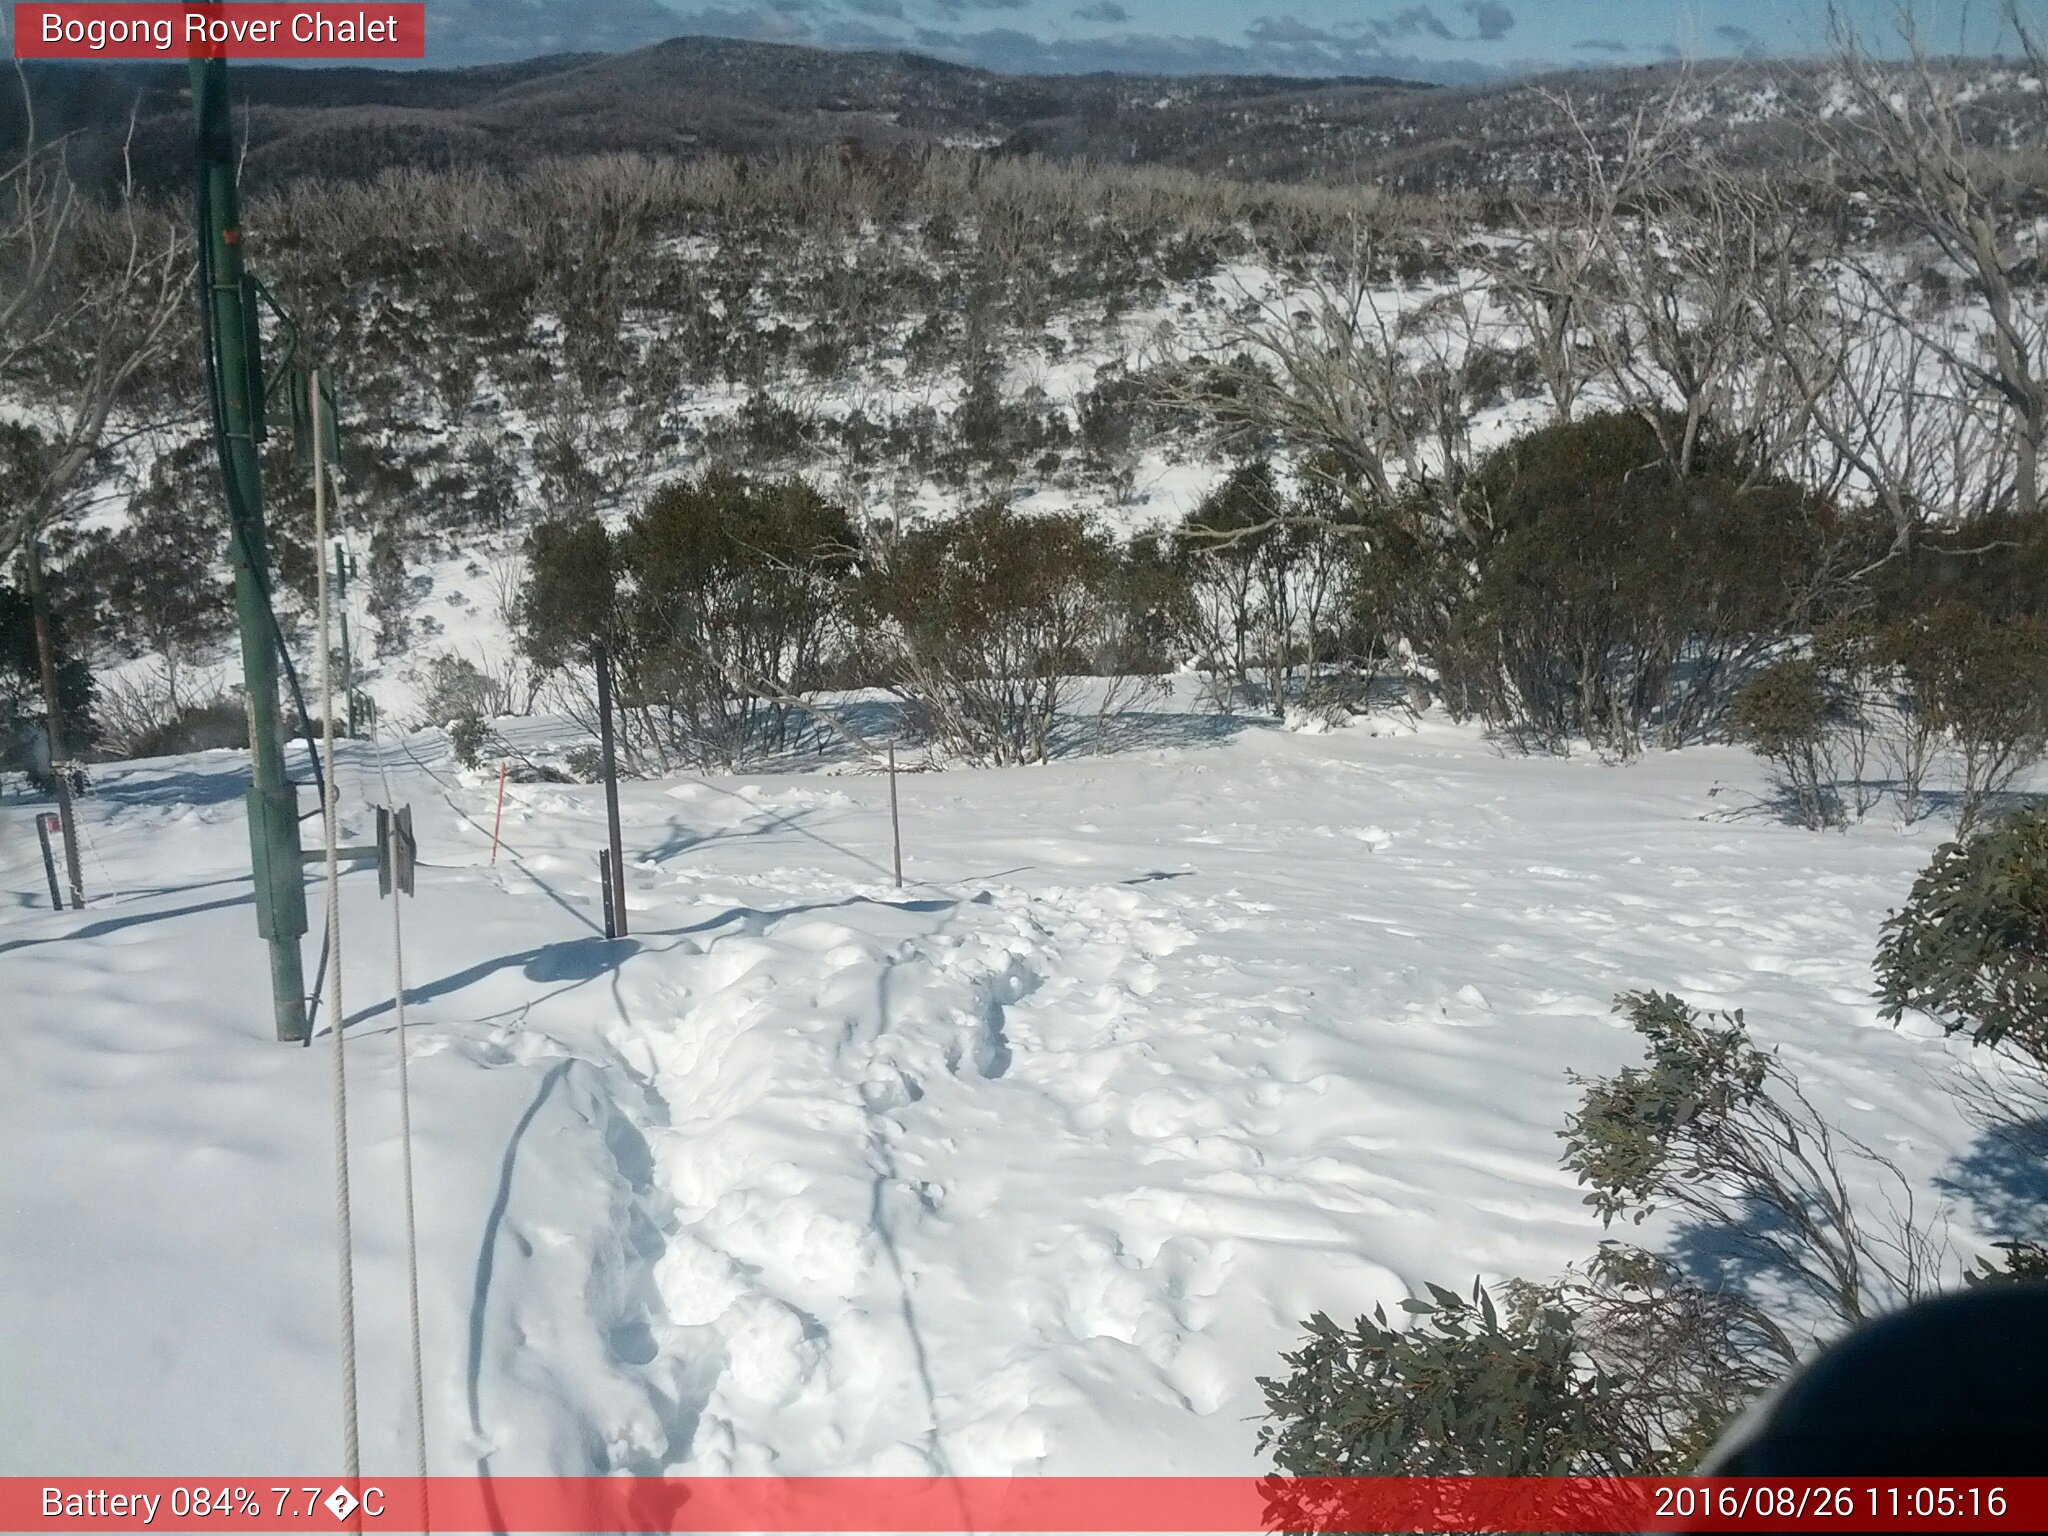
1032	1166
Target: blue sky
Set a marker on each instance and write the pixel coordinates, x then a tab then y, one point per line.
1434	39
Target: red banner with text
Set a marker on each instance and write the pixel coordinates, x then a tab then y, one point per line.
1002	1504
151	29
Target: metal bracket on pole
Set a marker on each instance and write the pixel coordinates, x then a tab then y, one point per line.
400	851
395	853
265	383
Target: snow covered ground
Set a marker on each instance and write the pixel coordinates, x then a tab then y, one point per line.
1033	1165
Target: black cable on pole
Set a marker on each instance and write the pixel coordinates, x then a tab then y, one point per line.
313	998
238	512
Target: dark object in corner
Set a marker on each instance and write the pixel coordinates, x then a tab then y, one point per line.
1950	1387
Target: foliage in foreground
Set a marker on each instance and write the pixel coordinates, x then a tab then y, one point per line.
1970	947
1468	1389
1635	1363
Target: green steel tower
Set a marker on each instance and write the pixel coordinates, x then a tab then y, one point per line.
234	372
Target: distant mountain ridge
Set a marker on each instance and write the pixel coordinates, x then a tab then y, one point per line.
687	95
695	95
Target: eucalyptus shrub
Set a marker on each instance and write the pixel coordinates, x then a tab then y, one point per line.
1970	947
982	624
1468	1389
1786	715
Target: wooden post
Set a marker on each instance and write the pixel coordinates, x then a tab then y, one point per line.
43	820
616	879
604	878
895	820
499	820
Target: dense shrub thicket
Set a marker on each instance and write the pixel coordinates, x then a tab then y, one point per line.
1613	600
1932	687
1269	593
1585	591
984	622
728	605
715	602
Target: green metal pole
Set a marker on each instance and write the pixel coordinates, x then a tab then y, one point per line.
228	319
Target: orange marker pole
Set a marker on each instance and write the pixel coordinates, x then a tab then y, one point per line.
499	820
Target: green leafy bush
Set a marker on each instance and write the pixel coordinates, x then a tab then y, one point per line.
1629	1364
1786	714
1608	597
716	601
1468	1389
1982	684
470	736
983	623
201	727
1970	947
1272	576
1716	1131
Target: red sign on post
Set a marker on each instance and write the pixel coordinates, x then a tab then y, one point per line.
150	29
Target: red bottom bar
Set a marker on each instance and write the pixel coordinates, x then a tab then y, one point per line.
1000	1504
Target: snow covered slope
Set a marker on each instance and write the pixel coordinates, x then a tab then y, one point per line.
1033	1165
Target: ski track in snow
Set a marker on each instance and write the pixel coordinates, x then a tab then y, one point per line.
1032	1166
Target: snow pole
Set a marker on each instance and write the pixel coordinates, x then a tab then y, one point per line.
330	827
498	821
235	384
895	820
615	877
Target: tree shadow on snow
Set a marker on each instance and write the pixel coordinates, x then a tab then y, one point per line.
572	963
2003	1179
1737	1257
1877	797
107	925
125	784
1145	730
569	963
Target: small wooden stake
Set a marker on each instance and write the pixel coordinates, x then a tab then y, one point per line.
499	820
895	820
604	875
43	824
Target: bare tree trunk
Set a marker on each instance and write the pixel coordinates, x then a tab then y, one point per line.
46	661
1909	149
